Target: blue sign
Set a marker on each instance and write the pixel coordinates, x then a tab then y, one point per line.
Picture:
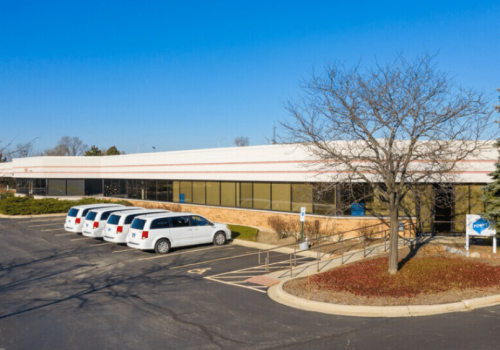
357	209
480	225
182	198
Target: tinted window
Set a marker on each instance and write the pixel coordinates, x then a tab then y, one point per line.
138	224
131	217
84	214
160	223
105	215
180	221
73	212
114	219
91	216
198	221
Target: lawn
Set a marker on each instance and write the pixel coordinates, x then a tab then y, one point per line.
243	232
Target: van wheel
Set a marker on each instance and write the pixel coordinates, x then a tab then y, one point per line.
162	246
219	238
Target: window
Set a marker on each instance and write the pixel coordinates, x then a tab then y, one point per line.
160	223
198	221
261	195
138	224
213	193
324	199
180	221
73	213
246	195
75	188
199	192
105	215
302	197
228	194
131	218
91	216
57	188
114	220
282	197
151	190
186	188
164	190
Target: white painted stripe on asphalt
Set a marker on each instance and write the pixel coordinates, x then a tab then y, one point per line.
237	285
53	229
56	223
79	239
66	234
126	250
186	252
214	260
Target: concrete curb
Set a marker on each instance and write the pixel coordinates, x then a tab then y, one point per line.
32	216
277	294
263	246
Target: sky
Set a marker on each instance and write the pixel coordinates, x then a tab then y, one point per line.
179	75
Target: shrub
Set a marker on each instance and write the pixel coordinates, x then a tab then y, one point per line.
27	206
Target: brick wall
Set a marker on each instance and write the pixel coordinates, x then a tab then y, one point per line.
258	218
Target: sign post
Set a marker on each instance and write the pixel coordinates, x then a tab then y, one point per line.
477	226
302	219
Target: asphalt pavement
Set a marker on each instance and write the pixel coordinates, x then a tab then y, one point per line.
64	291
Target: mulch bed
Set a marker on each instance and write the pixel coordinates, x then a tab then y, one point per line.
428	276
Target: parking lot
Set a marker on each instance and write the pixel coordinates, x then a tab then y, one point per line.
63	290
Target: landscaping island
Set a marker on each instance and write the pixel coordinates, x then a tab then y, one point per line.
428	275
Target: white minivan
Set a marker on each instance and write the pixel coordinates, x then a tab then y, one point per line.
95	221
160	232
119	223
76	215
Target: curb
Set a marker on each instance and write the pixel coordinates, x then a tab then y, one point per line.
264	246
32	216
277	294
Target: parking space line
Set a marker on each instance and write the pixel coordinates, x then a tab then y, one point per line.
237	285
99	244
66	234
214	260
79	239
186	252
53	229
127	250
56	223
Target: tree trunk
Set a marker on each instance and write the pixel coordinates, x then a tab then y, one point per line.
393	240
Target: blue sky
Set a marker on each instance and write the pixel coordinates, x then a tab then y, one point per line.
197	74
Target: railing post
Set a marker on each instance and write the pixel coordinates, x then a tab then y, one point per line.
342	249
364	246
259	257
295	254
267	264
291	267
317	260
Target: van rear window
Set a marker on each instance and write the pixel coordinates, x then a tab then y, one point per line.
91	216
114	219
138	224
73	212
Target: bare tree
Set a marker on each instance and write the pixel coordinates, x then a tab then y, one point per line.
389	127
241	141
68	146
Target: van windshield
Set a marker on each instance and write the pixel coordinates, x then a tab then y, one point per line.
138	224
73	213
114	219
91	216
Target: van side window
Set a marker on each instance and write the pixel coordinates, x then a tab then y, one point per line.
130	218
198	221
105	215
180	221
160	223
